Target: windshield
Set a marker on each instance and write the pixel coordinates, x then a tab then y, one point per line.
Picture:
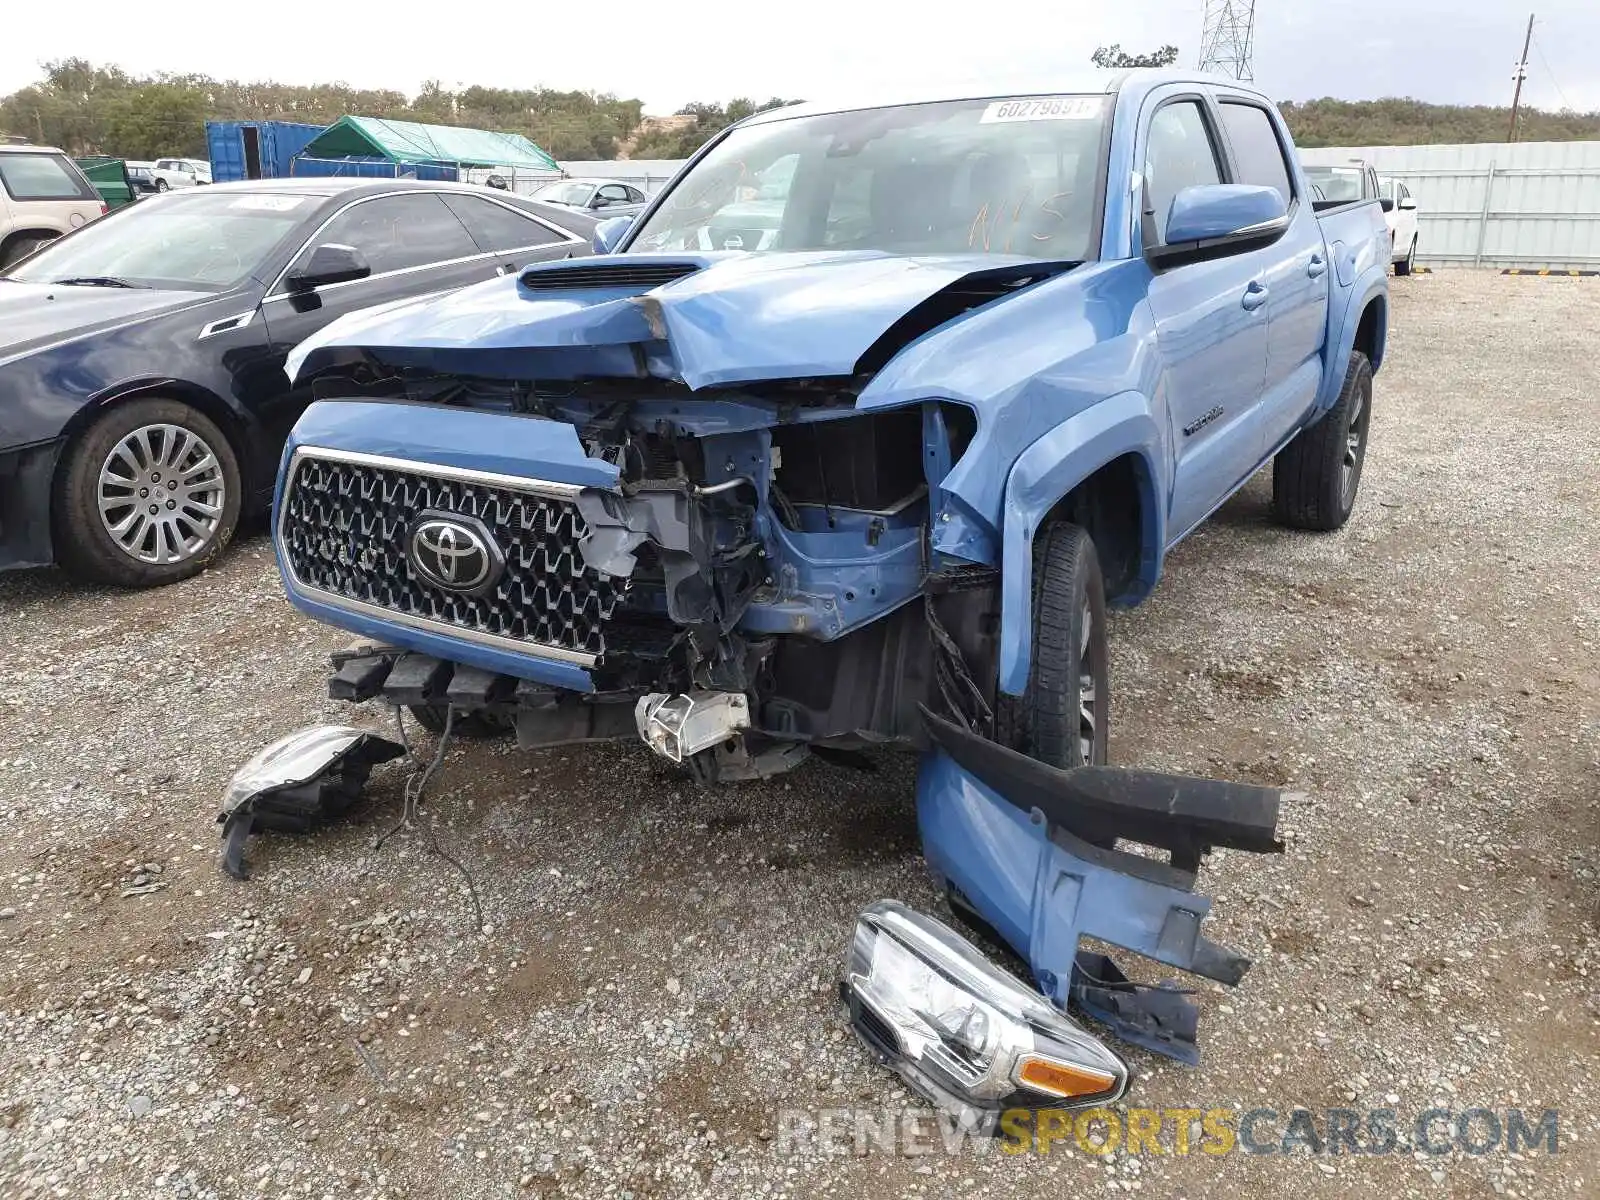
1012	176
200	239
575	194
1338	185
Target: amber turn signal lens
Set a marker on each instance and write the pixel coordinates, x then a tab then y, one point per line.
1059	1079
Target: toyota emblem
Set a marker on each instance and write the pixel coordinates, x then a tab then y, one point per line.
454	553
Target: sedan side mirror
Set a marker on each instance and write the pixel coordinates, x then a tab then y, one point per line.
331	262
1408	205
1218	219
609	233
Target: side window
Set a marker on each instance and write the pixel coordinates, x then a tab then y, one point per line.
613	193
1256	149
635	196
400	231
496	228
1178	154
43	177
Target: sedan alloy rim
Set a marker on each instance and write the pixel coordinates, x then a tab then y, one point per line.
161	494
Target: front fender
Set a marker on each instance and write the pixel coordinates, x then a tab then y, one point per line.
1043	474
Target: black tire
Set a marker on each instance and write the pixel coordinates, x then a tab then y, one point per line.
20	249
84	546
478	726
161	185
1406	264
1311	488
1053	721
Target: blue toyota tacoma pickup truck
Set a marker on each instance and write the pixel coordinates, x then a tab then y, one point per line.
873	409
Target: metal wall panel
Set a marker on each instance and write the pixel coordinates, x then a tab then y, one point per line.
1533	205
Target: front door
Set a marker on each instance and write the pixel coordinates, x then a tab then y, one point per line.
1210	325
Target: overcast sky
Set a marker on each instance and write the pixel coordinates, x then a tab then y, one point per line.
1449	51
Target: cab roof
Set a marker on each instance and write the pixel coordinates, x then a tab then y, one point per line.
1070	83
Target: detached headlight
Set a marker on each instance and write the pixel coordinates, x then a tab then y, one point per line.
303	779
964	1034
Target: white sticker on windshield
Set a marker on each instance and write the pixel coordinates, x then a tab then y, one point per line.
260	202
1043	108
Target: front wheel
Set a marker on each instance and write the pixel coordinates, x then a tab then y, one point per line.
1409	263
148	495
1315	477
1064	715
161	185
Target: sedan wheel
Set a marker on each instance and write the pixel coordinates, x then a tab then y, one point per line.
161	494
148	494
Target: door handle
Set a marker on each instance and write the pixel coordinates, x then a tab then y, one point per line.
1318	267
1254	296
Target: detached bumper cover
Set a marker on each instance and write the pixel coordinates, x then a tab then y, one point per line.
1029	851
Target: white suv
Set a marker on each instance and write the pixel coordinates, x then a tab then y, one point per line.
42	196
180	172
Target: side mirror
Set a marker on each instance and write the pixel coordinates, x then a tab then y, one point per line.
330	262
1385	203
1221	218
1409	204
609	233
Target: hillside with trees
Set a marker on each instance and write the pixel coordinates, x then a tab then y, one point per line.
90	109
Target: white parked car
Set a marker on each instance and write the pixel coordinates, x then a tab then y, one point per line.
1401	213
180	173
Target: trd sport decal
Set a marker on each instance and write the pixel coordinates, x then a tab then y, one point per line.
1200	422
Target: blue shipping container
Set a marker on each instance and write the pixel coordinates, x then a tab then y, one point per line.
255	149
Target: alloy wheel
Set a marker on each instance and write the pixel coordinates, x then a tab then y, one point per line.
161	494
1354	443
1088	694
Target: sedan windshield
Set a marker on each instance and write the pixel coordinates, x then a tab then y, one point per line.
202	239
575	194
1008	176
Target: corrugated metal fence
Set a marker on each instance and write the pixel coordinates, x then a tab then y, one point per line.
1532	205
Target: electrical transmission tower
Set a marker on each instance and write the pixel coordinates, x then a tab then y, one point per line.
1228	39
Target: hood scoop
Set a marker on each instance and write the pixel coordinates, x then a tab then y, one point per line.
634	276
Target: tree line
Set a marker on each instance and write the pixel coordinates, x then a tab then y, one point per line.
89	109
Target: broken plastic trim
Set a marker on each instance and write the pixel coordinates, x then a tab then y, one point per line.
306	778
1030	851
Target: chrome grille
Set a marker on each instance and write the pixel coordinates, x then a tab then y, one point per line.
342	531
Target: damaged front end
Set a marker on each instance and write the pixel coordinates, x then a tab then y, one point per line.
596	524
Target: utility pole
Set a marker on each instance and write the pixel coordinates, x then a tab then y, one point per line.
1522	73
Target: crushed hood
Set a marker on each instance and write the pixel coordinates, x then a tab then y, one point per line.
708	320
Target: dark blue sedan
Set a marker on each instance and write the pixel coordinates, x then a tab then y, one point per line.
143	401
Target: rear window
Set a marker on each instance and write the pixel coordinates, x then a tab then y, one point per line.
43	177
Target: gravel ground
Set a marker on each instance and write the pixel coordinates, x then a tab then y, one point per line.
656	982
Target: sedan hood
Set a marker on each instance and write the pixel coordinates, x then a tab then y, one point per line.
706	320
33	315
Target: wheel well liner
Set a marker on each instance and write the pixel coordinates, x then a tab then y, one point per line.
1372	331
1110	506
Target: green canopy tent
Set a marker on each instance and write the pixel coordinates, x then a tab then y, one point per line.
407	144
